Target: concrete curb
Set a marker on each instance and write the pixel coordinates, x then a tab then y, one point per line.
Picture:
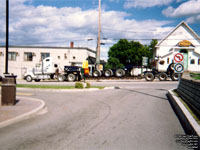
188	122
37	111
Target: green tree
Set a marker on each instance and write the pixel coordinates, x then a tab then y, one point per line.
152	47
125	53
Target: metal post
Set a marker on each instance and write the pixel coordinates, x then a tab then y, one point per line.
7	37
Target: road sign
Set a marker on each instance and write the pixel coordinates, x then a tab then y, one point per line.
145	61
178	57
178	67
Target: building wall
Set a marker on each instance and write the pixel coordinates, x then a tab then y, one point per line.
169	47
191	56
61	56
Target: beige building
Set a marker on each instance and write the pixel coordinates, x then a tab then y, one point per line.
20	58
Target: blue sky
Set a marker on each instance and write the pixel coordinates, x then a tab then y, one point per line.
58	22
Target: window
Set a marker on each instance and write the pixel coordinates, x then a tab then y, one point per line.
192	61
28	56
44	55
65	56
199	61
74	57
12	56
167	60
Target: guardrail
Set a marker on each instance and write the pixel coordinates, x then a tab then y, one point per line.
189	91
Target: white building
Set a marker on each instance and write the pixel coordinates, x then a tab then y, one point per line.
21	58
180	40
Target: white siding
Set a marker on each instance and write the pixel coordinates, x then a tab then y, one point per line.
62	56
168	47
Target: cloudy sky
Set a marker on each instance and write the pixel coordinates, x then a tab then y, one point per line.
57	22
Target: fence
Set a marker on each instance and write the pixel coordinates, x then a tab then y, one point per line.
189	91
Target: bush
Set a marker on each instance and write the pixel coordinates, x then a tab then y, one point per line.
79	85
88	85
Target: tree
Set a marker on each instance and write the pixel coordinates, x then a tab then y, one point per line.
125	53
152	47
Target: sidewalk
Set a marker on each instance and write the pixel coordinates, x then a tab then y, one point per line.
25	108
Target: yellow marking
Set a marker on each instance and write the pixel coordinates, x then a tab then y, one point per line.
25	94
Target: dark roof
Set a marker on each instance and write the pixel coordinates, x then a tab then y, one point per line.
51	47
92	60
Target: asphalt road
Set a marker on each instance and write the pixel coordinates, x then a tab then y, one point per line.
137	116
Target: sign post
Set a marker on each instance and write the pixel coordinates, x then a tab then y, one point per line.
178	67
178	57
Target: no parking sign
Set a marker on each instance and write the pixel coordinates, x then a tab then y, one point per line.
178	57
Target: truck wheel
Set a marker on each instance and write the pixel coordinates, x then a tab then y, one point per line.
61	78
111	72
96	73
107	73
162	76
120	73
37	80
175	76
71	77
29	78
149	76
78	78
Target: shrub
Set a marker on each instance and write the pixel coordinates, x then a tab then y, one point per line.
79	85
88	85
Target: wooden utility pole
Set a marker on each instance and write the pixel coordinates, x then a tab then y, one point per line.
99	39
7	37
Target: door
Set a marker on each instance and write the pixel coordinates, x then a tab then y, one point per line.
185	58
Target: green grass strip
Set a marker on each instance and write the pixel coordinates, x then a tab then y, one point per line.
195	76
44	86
51	86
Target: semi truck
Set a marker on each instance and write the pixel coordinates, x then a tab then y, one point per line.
47	69
140	71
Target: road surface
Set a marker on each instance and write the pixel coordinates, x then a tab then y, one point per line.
137	116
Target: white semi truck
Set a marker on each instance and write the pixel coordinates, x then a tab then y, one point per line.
47	69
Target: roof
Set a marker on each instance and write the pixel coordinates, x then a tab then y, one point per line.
180	24
52	47
92	60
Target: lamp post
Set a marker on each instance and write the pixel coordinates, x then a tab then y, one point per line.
7	36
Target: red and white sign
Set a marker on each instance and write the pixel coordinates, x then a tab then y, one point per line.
178	57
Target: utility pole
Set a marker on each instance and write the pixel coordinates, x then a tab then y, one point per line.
7	37
99	39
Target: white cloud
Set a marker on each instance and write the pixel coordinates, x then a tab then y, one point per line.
45	25
145	3
191	7
193	19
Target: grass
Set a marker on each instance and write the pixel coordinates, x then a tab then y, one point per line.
188	108
44	86
51	86
195	76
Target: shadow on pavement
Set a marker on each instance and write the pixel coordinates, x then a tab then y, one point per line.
145	93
